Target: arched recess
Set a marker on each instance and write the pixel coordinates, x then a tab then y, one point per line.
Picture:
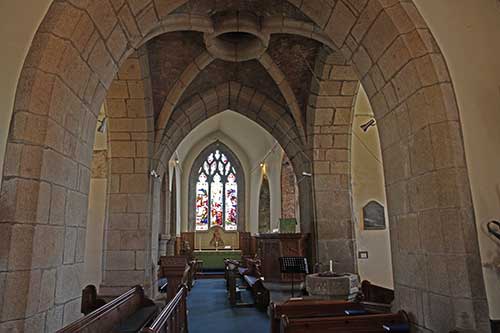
264	206
74	57
240	181
289	207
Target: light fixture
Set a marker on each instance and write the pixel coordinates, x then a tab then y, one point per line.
368	124
262	164
103	124
154	174
306	174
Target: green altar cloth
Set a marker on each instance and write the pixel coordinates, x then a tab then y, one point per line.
214	260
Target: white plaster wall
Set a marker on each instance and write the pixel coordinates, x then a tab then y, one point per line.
96	218
95	232
18	23
367	185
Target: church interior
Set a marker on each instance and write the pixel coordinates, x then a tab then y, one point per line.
250	166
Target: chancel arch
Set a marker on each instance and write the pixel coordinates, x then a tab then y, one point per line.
67	74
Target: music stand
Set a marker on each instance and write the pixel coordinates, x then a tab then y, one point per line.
293	265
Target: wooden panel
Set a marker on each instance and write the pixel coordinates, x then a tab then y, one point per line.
270	247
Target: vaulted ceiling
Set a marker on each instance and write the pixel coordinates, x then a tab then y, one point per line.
269	46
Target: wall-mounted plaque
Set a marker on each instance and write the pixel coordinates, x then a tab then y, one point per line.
373	216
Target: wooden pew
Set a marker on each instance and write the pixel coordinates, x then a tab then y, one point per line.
90	301
306	308
371	323
251	276
377	294
173	318
178	271
260	293
129	312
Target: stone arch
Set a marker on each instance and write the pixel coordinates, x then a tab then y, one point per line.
257	107
242	99
240	180
73	59
405	75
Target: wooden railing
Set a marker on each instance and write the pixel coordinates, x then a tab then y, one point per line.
173	318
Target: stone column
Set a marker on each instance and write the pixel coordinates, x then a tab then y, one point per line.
127	241
331	104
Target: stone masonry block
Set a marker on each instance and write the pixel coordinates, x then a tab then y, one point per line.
120	260
69	280
48	246
135	183
133	240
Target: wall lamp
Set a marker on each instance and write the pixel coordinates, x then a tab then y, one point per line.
103	124
154	174
366	126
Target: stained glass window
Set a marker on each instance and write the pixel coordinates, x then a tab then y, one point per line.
216	193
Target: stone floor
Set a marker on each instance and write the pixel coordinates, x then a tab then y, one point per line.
209	311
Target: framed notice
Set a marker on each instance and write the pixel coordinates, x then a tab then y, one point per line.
373	216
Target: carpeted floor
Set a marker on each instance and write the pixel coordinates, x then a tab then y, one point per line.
209	311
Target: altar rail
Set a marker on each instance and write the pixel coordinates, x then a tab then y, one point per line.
173	318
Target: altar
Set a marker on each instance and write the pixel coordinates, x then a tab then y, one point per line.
214	259
213	246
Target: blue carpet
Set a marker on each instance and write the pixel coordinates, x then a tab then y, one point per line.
209	311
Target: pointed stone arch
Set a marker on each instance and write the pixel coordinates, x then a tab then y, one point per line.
72	61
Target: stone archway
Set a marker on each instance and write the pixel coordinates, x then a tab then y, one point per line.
70	65
258	108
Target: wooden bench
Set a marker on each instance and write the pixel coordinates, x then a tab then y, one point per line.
306	308
90	300
129	312
376	294
260	293
370	323
177	270
252	278
173	318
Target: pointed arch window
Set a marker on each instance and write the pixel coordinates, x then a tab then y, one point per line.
216	192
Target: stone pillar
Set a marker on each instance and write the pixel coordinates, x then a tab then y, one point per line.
127	259
331	104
